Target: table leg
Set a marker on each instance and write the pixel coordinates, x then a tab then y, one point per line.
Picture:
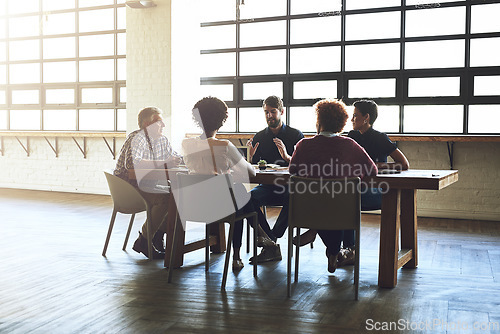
171	219
389	239
409	224
219	232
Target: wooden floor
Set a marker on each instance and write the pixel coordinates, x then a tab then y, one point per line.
53	279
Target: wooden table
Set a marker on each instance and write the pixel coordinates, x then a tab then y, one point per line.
399	214
217	233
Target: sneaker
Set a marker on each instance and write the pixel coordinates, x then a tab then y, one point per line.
268	254
141	246
305	238
346	257
265	242
332	262
237	264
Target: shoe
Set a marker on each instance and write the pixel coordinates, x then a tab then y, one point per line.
346	257
305	238
158	242
237	264
267	254
265	242
332	262
141	246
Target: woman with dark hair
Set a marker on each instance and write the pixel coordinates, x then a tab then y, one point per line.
328	155
208	155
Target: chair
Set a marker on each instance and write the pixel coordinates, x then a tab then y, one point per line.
337	208
127	200
207	199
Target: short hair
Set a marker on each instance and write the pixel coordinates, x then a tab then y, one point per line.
367	107
331	115
146	116
274	101
210	113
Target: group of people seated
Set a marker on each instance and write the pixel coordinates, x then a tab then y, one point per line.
364	148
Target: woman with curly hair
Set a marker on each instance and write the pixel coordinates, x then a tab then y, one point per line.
208	155
329	155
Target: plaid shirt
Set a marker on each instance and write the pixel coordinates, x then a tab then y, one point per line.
136	148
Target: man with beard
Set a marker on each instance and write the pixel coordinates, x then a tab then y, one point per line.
275	144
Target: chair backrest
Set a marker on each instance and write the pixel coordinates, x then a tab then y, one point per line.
204	198
126	198
325	204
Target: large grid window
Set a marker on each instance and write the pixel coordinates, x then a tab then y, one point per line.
433	67
62	65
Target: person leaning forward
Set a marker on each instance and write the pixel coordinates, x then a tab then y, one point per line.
275	144
148	148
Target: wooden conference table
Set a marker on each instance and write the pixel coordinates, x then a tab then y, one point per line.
398	215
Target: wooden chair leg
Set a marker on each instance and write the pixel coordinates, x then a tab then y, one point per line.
248	236
172	251
255	245
207	246
289	263
110	229
149	235
228	254
356	266
128	231
297	248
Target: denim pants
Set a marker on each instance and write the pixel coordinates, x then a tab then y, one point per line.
267	194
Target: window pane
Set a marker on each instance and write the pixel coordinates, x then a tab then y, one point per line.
420	87
3	51
313	60
315	89
59	120
484	118
57	4
97	45
263	62
3	32
485	18
362	88
388	119
381	25
230	124
24	26
218	65
3	74
59	72
315	6
434	119
25	119
252	119
56	24
54	48
427	3
261	90
30	96
121	18
59	96
218	37
263	34
94	3
122	120
481	52
3	100
24	50
223	92
122	69
436	21
122	44
123	94
96	20
262	8
217	10
97	70
24	6
88	120
303	118
315	30
24	73
362	4
444	54
3	119
97	95
372	57
487	85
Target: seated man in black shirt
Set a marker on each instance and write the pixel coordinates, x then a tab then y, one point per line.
275	144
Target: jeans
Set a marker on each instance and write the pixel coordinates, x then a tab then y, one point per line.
371	199
267	194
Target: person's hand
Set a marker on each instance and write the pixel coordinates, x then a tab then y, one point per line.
251	147
282	149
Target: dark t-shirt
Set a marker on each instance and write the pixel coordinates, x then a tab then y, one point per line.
267	149
376	144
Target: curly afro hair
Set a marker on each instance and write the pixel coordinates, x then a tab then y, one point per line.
331	115
210	113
